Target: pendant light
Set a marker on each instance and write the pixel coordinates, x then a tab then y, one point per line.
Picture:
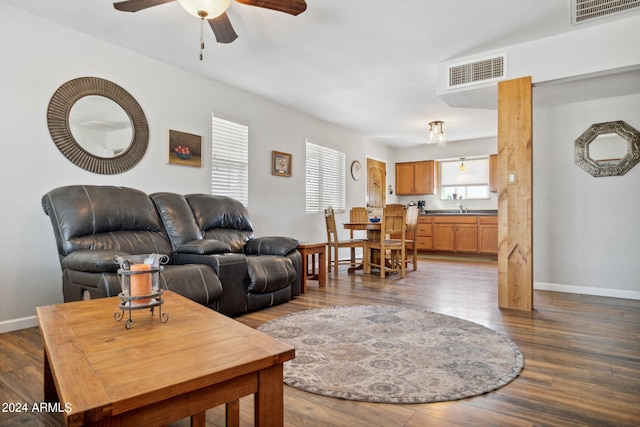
462	167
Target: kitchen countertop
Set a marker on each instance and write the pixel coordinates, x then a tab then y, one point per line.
457	212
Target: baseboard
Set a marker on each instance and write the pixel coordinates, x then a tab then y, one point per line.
601	292
17	324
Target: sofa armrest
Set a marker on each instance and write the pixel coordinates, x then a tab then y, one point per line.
270	245
204	247
231	269
93	260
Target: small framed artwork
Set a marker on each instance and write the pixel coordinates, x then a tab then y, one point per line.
280	163
185	148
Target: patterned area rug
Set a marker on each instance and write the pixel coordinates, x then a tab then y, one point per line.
391	354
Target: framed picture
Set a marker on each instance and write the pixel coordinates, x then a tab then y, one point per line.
280	163
185	148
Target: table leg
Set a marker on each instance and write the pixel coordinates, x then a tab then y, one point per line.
50	392
313	265
305	271
269	401
322	269
199	420
233	413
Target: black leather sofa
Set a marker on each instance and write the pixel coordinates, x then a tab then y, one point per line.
214	258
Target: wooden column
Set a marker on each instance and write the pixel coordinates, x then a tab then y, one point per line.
515	189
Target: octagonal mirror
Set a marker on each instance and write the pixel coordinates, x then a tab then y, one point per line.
608	149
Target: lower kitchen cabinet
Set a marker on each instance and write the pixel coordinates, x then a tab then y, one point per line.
488	235
455	234
424	233
458	234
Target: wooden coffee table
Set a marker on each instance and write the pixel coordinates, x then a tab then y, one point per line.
156	373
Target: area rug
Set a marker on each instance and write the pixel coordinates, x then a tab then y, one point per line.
389	354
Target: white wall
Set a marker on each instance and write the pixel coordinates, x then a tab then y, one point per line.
38	57
586	232
590	49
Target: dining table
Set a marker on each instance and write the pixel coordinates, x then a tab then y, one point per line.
373	233
372	228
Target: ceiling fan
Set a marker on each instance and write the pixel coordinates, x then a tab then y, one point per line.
214	11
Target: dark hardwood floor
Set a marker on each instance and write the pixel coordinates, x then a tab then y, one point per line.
582	356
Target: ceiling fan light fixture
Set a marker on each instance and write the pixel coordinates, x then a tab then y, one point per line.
205	9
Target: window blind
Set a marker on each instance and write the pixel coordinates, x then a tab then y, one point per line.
325	178
230	158
476	172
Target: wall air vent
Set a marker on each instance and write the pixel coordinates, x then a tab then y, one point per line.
477	72
586	10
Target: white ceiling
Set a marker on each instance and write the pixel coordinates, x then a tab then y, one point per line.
365	65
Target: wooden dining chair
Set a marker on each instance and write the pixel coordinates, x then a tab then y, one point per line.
410	241
334	243
394	222
358	214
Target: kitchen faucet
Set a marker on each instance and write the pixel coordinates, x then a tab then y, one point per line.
459	206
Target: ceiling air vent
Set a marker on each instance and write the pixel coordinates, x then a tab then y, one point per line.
480	71
586	10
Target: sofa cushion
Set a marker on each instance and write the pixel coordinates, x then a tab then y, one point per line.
271	245
269	273
221	218
204	247
105	217
177	218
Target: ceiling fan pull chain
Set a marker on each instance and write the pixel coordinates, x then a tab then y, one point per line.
201	36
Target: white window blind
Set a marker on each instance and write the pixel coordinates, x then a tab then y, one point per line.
472	183
325	178
230	158
476	172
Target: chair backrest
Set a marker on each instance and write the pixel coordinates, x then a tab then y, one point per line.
358	214
394	221
330	221
412	221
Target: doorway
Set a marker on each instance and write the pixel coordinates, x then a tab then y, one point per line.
376	182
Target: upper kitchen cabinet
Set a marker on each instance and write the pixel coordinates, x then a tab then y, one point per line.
414	178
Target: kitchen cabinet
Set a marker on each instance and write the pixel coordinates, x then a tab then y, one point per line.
458	233
453	233
414	178
424	233
488	235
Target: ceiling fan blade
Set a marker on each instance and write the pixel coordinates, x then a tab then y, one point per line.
137	5
292	7
223	29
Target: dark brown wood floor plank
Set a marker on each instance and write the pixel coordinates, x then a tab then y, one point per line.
582	355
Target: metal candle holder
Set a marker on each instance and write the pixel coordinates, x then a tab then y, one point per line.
139	280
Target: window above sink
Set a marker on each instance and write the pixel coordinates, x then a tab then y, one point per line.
463	178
